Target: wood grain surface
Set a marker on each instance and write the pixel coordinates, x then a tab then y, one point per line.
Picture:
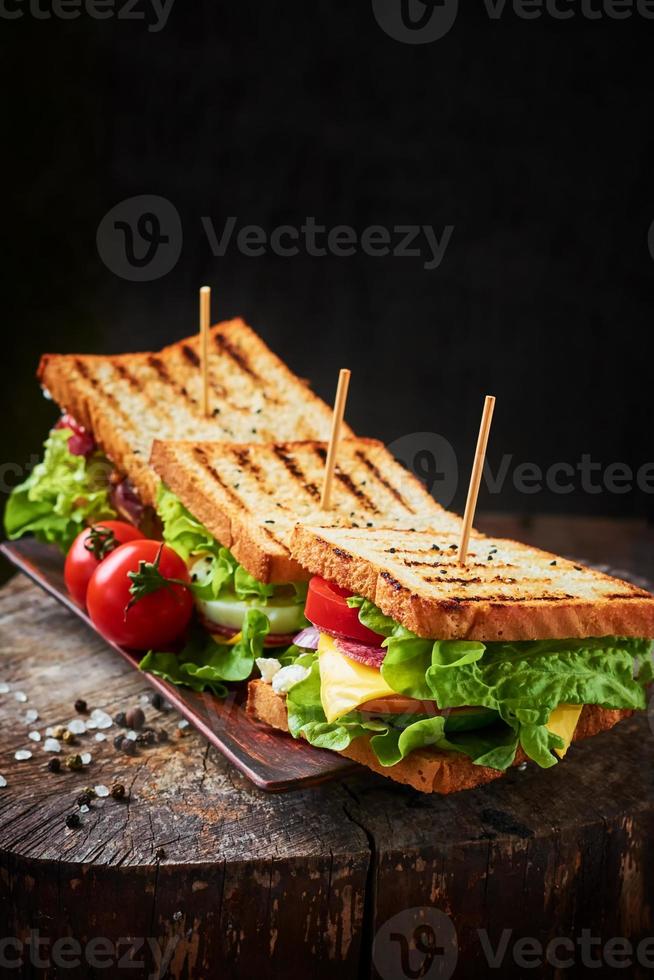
203	875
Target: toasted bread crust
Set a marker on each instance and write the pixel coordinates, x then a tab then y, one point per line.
250	496
427	770
129	400
507	591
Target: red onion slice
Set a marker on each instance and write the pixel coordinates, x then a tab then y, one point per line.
307	638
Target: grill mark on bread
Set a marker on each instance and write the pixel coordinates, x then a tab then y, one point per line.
393	582
295	470
206	463
109	395
162	372
356	491
126	375
190	356
225	346
382	479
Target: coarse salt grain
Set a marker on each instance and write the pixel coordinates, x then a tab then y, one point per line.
100	737
132	736
3	782
76	726
22	755
35	736
4	688
84	809
101	791
183	723
86	758
31	716
100	719
51	745
21	696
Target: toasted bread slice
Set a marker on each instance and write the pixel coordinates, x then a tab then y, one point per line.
427	770
130	399
506	591
251	496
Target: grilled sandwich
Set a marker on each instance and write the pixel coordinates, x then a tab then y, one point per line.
230	510
442	675
115	406
250	497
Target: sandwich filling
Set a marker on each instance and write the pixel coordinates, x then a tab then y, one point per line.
369	676
70	488
238	616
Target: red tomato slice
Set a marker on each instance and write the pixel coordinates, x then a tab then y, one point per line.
89	548
327	609
155	620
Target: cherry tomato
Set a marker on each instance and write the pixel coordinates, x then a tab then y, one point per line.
327	609
138	596
91	547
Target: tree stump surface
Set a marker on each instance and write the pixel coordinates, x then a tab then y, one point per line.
198	874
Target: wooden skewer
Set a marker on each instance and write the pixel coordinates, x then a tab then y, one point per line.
475	477
205	323
337	422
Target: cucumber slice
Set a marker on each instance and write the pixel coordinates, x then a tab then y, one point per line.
283	617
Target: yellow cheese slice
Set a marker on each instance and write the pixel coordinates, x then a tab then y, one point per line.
563	722
219	638
344	683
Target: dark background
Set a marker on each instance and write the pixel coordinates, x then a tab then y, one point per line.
532	138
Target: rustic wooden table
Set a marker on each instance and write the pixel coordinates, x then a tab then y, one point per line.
200	875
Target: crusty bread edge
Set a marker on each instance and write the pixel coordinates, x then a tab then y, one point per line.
457	620
427	770
233	530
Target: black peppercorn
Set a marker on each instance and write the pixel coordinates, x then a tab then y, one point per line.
84	800
73	821
120	719
54	765
156	701
135	719
162	736
118	791
80	706
160	854
146	738
129	747
118	741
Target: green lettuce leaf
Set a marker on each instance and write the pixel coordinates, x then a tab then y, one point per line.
62	495
188	537
523	682
204	664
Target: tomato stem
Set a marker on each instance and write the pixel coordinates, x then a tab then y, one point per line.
148	579
100	542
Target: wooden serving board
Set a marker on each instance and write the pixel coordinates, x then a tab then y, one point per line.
274	762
